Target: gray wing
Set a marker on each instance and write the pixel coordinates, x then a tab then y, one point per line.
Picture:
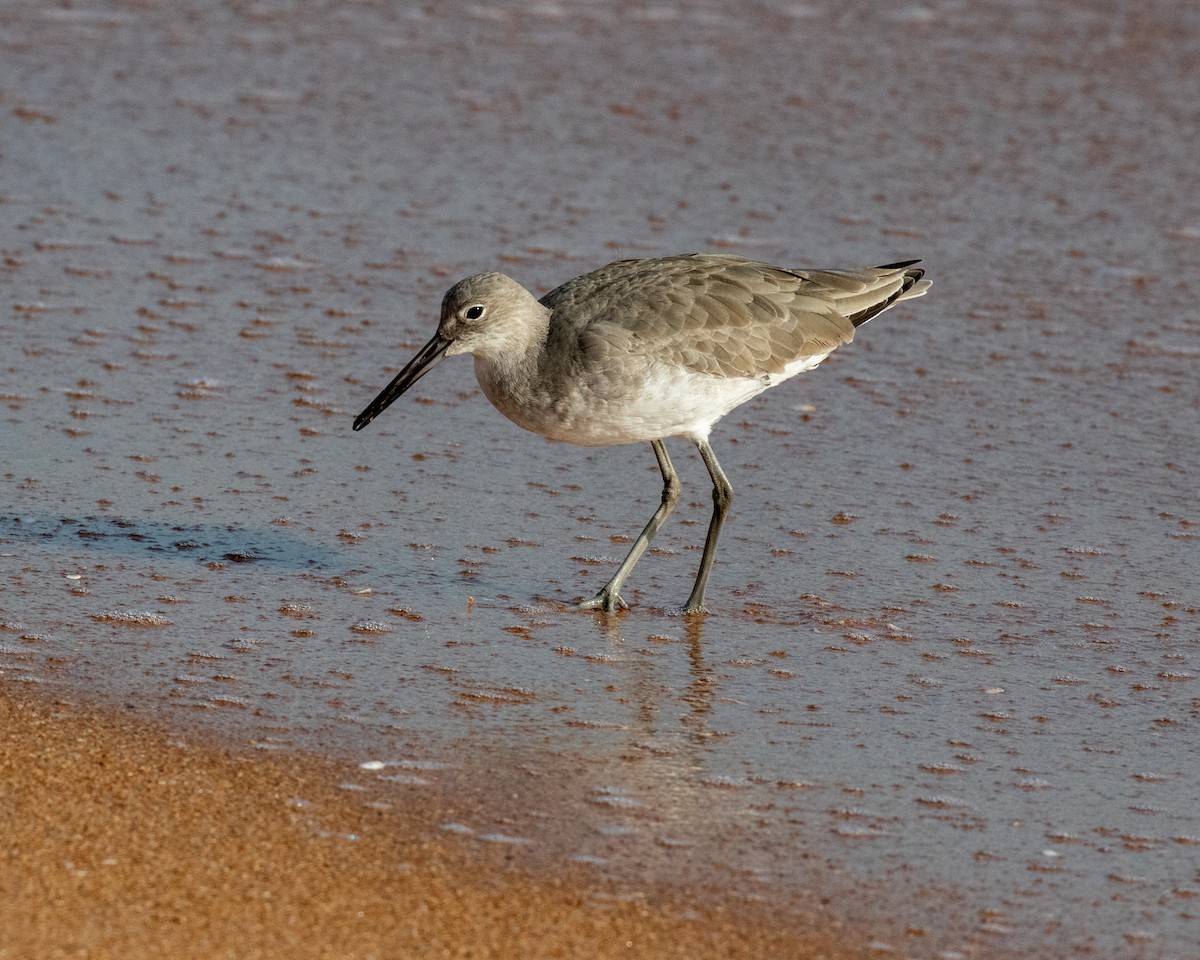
722	315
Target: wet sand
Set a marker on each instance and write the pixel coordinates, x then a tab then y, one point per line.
948	690
123	839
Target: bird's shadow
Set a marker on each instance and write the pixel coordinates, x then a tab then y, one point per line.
201	543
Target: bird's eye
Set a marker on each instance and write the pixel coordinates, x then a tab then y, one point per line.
474	312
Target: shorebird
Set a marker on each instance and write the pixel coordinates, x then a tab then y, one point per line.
640	350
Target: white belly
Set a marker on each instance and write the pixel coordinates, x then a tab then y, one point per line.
660	401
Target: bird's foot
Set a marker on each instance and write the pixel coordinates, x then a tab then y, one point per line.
695	603
607	600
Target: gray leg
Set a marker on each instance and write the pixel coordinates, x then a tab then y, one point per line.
609	597
722	497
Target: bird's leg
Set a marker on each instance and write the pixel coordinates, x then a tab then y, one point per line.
609	597
722	497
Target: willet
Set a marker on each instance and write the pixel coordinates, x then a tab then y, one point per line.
645	349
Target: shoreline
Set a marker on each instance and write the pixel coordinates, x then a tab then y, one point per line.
130	838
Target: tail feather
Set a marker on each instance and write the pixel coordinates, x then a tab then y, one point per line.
908	284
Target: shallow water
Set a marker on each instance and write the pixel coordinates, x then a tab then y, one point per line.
949	678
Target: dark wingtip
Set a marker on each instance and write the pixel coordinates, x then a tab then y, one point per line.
910	278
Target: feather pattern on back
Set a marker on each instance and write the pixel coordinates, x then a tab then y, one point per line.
722	315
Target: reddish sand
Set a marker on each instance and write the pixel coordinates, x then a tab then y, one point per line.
121	841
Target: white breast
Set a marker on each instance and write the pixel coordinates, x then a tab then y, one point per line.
663	400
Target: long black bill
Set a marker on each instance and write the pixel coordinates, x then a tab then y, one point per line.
433	353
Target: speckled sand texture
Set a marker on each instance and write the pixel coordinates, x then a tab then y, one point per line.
123	841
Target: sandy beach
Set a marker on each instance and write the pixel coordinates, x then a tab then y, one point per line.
944	704
123	839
